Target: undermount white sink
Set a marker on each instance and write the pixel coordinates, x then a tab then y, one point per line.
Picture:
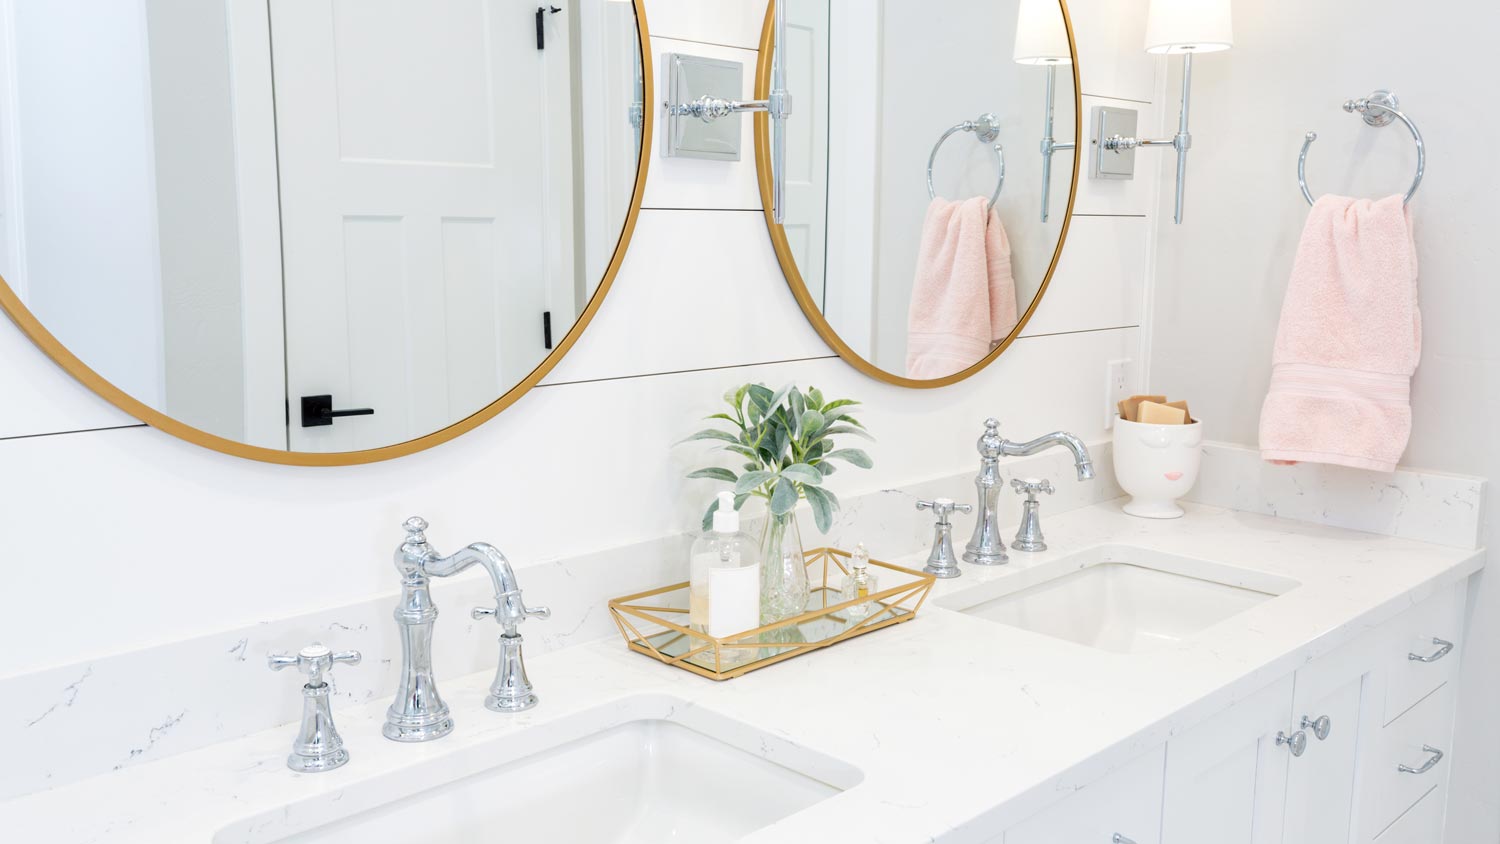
1121	599
647	779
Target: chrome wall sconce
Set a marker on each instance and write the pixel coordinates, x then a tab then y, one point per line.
691	120
1173	27
1042	39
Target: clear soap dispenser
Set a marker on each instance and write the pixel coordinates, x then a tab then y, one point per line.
859	582
724	580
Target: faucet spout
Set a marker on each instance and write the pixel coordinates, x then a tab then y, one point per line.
502	577
1081	460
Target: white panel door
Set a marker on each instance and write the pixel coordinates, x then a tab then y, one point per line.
1226	778
807	140
1320	785
1126	802
426	175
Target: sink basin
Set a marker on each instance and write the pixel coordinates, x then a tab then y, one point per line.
656	776
1121	599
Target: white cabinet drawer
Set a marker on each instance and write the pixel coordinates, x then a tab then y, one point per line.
1422	824
1430	631
1389	790
1125	802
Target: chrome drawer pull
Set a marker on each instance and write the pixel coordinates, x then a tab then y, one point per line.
1437	756
1443	650
1120	839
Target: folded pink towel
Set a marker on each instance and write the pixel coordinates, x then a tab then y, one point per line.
963	301
1349	340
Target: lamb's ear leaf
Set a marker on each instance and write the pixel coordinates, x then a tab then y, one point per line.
812	423
803	474
751	481
711	434
847	429
714	473
784	498
822	507
853	456
780	395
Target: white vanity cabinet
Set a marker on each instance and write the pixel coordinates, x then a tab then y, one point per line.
1350	749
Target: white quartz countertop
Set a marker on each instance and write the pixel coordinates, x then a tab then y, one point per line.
959	726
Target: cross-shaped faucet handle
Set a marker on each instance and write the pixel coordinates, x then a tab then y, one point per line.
315	660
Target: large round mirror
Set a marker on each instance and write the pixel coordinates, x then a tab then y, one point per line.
317	231
927	173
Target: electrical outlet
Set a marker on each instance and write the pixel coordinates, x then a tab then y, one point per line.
1117	388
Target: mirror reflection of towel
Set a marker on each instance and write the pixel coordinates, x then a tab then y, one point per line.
963	301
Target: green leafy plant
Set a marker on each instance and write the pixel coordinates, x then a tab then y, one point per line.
787	438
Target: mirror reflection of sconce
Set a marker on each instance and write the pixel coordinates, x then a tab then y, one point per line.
1042	39
1173	27
687	75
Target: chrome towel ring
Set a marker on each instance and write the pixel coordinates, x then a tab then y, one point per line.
986	129
1379	109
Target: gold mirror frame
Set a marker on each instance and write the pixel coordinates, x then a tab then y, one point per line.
789	264
59	353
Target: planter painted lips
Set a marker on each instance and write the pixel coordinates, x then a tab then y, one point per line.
1174	476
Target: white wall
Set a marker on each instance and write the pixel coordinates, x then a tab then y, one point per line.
124	537
1222	274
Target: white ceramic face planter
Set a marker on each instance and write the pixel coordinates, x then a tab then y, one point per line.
1157	464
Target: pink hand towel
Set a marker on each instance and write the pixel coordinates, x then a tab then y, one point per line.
1349	340
963	301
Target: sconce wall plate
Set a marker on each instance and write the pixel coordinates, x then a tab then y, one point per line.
1110	159
698	134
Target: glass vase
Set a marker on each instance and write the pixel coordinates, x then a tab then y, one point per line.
783	574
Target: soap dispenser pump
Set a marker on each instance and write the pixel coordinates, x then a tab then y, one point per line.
724	579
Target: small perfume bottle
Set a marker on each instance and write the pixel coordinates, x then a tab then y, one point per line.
859	582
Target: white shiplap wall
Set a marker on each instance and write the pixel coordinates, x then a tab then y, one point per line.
118	537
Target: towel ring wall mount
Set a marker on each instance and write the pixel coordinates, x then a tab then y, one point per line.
986	129
1381	108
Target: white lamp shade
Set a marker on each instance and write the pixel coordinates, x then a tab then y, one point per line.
1189	26
1041	36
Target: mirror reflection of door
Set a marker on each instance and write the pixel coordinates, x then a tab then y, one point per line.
396	221
807	140
224	207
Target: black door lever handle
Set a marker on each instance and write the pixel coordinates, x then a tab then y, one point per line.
317	411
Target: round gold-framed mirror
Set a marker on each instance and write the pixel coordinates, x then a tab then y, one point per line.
331	253
892	113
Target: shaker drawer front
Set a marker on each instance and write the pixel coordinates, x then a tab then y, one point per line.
1422	824
1410	759
1126	802
1424	654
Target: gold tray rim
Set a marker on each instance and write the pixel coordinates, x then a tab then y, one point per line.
892	601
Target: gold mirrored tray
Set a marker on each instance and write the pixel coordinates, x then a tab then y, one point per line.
654	623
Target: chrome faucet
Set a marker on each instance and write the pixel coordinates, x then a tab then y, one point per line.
987	547
419	713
